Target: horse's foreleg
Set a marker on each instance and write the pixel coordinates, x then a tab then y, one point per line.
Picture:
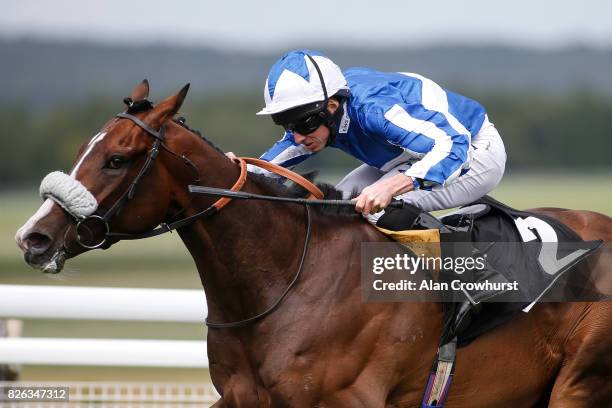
218	404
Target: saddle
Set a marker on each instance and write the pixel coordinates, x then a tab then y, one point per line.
536	252
533	250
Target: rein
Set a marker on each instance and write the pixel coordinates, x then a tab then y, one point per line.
220	192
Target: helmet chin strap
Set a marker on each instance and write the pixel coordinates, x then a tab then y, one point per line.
330	118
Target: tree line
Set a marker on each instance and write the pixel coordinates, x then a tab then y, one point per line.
569	131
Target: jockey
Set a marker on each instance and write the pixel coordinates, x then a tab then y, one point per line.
419	143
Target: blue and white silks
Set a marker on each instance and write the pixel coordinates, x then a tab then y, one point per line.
393	118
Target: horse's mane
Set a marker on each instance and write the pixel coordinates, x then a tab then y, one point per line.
134	107
144	105
296	191
181	121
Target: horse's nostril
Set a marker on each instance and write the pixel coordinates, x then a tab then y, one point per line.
37	243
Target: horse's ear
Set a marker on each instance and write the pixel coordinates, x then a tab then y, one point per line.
141	91
170	106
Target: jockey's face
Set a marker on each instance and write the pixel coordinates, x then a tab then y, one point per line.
317	140
314	141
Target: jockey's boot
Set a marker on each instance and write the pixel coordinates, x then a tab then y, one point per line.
498	284
466	312
410	217
475	297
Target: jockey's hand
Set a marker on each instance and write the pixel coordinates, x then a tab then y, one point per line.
377	196
232	156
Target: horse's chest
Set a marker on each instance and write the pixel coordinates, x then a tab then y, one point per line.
294	379
306	372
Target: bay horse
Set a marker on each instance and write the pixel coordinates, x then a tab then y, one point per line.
323	347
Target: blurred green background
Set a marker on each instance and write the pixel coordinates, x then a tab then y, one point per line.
552	108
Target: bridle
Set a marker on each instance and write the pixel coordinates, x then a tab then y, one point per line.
159	138
128	194
163	228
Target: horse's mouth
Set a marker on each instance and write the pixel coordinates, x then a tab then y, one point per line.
52	265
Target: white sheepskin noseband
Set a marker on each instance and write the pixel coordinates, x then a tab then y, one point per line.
69	193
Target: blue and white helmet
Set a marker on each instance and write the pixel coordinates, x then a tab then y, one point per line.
294	81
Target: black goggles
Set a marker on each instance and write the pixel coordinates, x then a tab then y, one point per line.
306	125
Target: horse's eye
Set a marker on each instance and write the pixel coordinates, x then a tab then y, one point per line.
115	162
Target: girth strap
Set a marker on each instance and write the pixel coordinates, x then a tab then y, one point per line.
441	376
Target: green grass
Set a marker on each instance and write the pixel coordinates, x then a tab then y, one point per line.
163	262
579	191
112	374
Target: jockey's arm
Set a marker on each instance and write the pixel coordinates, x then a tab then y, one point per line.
285	153
443	148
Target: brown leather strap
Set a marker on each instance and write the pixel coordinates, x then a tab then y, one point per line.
222	202
314	191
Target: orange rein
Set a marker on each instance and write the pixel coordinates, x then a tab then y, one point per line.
315	192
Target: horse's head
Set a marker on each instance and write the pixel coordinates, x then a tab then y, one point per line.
99	195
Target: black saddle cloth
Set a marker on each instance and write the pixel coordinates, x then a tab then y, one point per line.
522	247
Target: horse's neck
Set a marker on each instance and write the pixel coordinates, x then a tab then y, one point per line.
247	252
245	255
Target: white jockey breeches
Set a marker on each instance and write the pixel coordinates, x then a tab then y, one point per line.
486	171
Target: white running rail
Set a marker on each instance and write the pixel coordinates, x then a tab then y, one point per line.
120	394
114	304
104	352
88	303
